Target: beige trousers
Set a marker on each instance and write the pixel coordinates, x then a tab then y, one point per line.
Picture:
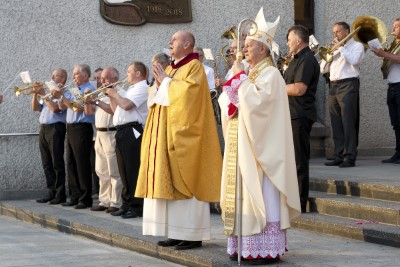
107	169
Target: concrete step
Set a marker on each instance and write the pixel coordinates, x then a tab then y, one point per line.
381	211
361	230
358	189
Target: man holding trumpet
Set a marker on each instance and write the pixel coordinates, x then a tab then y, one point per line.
51	140
393	92
79	140
110	184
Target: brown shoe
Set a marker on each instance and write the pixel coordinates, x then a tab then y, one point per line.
98	208
111	209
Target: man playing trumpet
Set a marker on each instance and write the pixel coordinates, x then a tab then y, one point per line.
106	165
393	92
79	142
51	141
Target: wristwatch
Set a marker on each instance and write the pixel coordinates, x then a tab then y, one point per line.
97	102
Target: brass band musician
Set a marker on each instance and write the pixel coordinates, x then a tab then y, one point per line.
343	99
51	141
392	57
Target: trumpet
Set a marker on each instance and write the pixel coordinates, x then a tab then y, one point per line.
100	92
28	90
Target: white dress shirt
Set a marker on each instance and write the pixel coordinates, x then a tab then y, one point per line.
102	118
394	73
346	61
136	93
210	77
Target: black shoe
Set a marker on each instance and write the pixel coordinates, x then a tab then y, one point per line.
347	164
44	199
57	200
98	208
397	161
188	245
112	209
80	206
119	212
333	163
392	159
69	204
169	242
130	214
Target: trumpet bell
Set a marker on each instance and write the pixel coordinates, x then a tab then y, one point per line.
17	91
371	28
325	54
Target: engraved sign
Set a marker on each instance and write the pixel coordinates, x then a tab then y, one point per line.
138	12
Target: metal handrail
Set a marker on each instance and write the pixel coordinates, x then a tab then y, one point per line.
17	134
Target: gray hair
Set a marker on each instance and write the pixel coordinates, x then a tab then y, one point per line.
83	68
161	58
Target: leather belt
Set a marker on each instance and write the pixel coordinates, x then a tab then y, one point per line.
344	80
106	129
126	125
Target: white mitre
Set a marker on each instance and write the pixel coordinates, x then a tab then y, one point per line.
265	30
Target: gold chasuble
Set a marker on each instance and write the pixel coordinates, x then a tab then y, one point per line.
180	154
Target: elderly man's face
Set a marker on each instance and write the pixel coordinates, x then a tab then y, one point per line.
177	45
253	51
58	77
80	77
108	76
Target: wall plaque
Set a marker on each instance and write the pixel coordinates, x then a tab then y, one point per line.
138	12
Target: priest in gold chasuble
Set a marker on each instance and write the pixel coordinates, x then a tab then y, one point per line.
258	141
181	162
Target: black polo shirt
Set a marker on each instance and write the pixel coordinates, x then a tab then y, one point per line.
303	68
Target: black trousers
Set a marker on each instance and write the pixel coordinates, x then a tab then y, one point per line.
79	145
51	146
128	158
393	102
301	128
344	109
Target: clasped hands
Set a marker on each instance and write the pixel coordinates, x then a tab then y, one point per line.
158	74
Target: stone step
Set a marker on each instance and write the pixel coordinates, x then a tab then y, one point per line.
358	189
381	211
367	231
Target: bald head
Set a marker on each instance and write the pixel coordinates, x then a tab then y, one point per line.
109	75
181	44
